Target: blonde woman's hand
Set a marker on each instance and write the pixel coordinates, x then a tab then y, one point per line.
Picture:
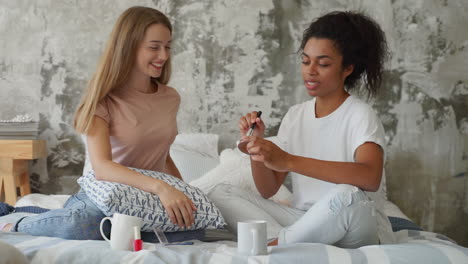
245	122
179	207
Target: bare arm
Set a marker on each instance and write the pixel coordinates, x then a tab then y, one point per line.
266	180
270	164
171	168
365	172
99	149
178	206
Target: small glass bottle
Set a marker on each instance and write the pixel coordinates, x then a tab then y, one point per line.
137	242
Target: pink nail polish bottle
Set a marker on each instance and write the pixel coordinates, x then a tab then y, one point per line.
137	242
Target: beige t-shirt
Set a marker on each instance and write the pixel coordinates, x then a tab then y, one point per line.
142	126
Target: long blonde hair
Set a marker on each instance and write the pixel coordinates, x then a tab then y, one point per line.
118	59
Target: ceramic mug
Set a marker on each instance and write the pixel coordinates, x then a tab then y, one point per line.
122	235
252	237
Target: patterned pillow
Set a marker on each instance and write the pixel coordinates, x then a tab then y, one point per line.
112	197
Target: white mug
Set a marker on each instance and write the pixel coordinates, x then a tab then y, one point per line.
122	235
252	237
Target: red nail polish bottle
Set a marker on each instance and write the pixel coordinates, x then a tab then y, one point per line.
137	242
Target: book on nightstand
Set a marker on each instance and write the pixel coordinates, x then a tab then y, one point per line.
18	130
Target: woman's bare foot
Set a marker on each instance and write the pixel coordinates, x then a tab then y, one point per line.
6	227
273	243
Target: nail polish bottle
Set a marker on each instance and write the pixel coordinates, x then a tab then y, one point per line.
137	242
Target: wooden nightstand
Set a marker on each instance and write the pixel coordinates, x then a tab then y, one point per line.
14	158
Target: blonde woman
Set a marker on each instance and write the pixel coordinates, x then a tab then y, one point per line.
128	114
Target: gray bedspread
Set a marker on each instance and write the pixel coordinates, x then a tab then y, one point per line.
413	247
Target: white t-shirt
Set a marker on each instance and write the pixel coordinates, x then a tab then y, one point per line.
334	137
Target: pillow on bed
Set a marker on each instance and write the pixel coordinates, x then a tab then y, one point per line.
112	197
195	154
234	169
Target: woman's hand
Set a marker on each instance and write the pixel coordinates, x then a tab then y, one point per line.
265	151
245	122
178	206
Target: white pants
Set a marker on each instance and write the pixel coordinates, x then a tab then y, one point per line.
345	217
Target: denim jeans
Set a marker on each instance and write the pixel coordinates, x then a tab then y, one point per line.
79	219
345	217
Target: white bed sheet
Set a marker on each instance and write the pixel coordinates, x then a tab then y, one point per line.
412	247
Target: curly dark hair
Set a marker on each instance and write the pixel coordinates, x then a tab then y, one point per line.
361	42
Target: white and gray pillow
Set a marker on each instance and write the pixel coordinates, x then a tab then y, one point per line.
195	154
112	197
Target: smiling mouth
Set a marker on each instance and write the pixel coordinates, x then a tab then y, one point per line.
311	85
158	66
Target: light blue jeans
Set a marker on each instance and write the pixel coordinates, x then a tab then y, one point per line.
345	217
79	219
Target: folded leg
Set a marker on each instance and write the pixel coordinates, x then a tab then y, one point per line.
79	219
237	204
344	217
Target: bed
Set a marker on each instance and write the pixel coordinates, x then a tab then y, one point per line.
197	158
414	247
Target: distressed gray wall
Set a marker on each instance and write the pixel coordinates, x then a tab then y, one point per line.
231	56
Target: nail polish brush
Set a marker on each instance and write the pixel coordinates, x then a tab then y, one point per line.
242	146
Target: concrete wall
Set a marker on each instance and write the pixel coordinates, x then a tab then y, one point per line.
231	56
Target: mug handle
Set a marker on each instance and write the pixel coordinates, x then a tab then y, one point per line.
100	227
255	247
